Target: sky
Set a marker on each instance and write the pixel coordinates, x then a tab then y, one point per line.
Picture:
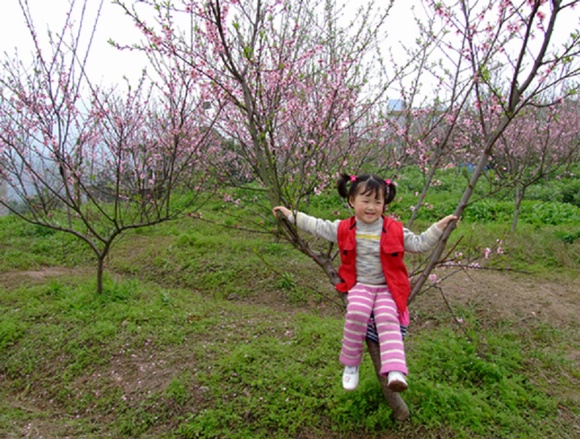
108	64
105	61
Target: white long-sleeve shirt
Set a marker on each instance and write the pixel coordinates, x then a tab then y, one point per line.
368	236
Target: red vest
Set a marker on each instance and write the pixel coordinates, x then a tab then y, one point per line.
392	253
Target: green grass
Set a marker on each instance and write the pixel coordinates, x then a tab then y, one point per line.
208	332
485	390
155	362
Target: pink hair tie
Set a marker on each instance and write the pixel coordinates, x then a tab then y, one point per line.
388	182
353	178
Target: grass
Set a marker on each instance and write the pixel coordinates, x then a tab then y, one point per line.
208	333
145	361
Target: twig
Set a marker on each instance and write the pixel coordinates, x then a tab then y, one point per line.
453	314
341	305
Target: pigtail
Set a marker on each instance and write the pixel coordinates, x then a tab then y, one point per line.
390	192
341	185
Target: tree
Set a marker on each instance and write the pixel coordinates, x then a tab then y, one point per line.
503	86
538	144
291	85
97	162
302	100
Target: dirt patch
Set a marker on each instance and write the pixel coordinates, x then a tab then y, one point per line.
15	279
508	296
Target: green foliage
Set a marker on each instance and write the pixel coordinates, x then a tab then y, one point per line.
549	213
554	202
568	237
486	211
194	336
29	246
11	329
563	190
532	212
478	387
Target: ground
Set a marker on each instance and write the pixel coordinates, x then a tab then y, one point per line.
496	295
509	296
499	295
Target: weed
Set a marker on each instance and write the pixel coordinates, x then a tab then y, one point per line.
287	281
11	329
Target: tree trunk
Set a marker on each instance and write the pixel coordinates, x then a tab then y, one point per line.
395	401
519	197
100	270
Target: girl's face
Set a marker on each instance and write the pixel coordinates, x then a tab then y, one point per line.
368	207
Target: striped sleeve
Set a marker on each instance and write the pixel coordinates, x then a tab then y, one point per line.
424	242
324	229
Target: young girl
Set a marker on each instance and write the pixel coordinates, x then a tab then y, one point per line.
374	275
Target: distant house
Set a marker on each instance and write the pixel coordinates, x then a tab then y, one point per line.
397	110
396	106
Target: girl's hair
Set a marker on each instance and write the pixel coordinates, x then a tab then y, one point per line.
366	184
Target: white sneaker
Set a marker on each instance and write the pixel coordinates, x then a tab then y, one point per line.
396	382
350	377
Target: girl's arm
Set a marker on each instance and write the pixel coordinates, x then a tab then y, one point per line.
428	239
324	229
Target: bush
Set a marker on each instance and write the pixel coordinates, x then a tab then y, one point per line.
571	192
564	190
549	213
488	210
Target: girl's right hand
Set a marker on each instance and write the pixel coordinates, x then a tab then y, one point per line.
283	210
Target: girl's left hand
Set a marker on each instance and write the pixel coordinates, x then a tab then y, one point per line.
442	224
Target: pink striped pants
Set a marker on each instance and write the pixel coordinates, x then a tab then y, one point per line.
362	300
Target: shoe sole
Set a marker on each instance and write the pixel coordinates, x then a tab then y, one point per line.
397	386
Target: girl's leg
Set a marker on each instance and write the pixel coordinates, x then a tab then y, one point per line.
360	304
390	339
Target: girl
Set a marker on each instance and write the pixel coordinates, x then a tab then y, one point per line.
374	275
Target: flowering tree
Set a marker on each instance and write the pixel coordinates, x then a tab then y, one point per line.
290	83
539	143
428	122
524	66
94	162
301	100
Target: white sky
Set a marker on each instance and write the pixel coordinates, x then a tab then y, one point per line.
109	65
105	62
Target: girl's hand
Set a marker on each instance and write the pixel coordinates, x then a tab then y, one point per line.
442	224
283	210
